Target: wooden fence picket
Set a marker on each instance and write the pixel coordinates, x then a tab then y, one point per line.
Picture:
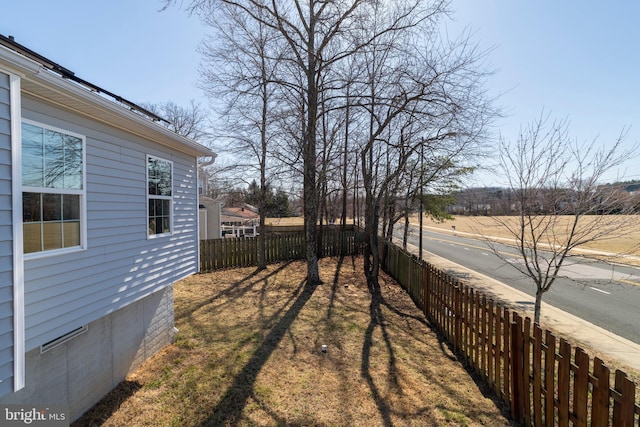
623	401
537	376
564	371
580	388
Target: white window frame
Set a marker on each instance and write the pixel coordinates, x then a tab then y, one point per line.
149	197
82	193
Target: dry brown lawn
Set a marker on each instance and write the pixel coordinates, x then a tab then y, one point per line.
626	242
248	352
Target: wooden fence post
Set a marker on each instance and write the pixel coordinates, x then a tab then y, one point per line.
537	375
490	344
457	342
476	331
516	361
497	356
426	279
483	337
506	348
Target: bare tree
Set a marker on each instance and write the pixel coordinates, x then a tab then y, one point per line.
423	97
560	203
190	121
317	33
239	73
379	67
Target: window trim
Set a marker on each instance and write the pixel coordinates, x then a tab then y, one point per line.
82	193
149	196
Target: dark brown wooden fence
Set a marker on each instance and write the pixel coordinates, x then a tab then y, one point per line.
543	380
216	254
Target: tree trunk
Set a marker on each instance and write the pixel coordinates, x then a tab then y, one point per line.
310	168
537	307
262	262
345	163
372	253
405	234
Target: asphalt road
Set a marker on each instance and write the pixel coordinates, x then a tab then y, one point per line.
595	291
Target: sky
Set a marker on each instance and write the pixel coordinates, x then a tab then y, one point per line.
573	59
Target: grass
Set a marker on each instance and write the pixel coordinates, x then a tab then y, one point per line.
248	352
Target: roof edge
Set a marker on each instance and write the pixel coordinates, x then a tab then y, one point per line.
34	72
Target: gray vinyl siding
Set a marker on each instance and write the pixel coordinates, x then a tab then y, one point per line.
120	265
6	237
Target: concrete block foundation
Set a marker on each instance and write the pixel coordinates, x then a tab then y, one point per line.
79	372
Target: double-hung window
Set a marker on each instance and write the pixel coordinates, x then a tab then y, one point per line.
53	190
160	195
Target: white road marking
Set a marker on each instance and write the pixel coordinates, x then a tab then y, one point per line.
600	290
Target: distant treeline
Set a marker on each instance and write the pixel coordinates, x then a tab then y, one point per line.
506	201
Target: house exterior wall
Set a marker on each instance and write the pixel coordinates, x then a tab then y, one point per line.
120	286
6	237
75	321
120	264
81	371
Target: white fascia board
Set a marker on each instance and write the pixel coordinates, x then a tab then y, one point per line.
17	64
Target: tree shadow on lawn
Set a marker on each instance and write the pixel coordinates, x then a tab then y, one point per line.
377	320
238	288
109	404
335	285
229	409
447	349
383	313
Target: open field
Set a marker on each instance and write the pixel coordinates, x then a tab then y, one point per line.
627	242
249	353
294	220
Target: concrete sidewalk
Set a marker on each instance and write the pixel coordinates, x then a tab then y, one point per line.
564	324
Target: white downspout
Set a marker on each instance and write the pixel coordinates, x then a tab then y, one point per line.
18	255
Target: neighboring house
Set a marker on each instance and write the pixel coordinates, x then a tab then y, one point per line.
239	222
210	212
98	219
